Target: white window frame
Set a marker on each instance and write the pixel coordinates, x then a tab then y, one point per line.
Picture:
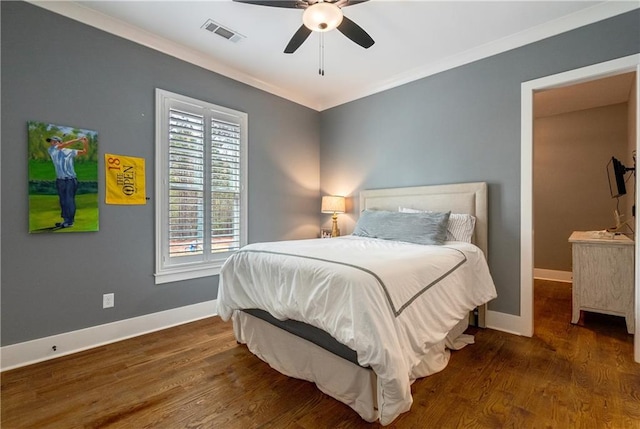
208	264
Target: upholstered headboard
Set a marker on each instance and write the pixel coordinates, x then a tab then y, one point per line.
468	198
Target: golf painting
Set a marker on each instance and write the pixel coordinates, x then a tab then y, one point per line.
63	178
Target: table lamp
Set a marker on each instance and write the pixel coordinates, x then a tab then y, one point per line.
333	204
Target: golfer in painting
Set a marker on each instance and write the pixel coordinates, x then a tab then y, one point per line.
66	180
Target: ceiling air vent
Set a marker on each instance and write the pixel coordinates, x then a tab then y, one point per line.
222	31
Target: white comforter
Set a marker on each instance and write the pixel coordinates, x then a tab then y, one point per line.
389	301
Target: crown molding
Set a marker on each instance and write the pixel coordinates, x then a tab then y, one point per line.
578	19
135	34
111	25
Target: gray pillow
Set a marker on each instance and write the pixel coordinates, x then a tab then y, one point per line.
419	228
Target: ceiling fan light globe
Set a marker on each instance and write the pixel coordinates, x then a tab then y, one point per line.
322	17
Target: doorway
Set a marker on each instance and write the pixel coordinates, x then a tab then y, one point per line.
577	129
591	73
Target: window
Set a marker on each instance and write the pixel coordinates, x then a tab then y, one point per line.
201	195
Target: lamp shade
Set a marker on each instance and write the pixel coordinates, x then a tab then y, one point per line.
322	17
332	204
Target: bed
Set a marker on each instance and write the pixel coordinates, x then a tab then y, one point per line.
360	316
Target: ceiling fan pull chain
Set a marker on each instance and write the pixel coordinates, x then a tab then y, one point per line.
321	55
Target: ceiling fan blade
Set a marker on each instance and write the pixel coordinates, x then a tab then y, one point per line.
290	4
297	39
354	32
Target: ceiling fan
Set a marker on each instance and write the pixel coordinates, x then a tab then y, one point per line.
320	16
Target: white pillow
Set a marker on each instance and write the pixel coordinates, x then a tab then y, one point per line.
459	228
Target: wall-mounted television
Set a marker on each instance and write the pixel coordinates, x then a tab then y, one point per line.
616	171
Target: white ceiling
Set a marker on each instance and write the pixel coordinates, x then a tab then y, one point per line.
413	39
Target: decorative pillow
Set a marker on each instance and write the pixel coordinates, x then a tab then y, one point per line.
459	228
418	228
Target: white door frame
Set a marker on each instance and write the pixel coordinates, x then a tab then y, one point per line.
609	68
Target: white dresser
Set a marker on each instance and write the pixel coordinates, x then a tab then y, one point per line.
603	273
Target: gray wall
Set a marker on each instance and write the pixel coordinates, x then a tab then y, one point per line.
58	70
458	126
570	186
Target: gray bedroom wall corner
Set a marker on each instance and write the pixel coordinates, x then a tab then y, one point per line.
462	125
80	76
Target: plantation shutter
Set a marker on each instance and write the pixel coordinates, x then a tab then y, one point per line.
225	186
201	207
186	183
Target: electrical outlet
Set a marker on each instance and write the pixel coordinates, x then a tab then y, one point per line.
108	300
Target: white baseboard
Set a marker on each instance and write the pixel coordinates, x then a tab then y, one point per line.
507	323
554	275
30	352
41	349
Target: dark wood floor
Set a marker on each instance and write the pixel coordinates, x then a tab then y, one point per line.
196	376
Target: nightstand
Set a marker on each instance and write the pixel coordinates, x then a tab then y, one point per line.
603	273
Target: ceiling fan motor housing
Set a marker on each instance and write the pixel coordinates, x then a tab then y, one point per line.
322	17
319	16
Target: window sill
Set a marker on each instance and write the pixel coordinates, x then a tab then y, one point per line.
186	273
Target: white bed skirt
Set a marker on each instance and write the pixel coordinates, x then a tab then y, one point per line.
337	377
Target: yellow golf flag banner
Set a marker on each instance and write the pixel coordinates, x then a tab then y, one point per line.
125	179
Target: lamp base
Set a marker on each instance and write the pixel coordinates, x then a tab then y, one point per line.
335	231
